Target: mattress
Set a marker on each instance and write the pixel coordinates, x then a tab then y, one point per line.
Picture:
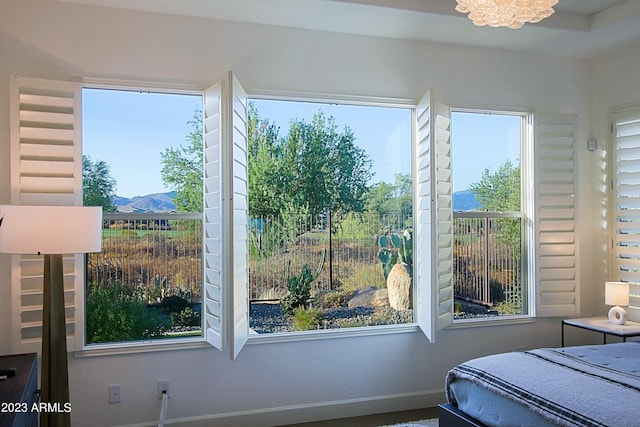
573	386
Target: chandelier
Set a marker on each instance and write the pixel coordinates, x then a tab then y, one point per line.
506	13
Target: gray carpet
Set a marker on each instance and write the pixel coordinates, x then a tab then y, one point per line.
420	423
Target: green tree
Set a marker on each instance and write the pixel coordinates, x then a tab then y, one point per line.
386	199
98	186
182	168
500	192
321	167
265	166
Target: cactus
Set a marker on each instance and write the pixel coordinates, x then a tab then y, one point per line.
299	286
395	249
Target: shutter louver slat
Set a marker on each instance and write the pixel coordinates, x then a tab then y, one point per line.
46	169
555	227
626	210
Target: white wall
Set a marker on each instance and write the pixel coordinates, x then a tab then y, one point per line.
44	38
614	84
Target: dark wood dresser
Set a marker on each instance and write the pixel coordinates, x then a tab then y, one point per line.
19	393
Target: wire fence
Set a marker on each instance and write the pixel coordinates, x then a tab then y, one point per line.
160	254
347	240
487	257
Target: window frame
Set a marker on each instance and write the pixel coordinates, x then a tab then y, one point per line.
621	259
358	101
526	209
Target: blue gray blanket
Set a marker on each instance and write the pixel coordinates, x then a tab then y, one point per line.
573	386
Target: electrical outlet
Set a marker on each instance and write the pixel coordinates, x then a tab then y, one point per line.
164	386
115	395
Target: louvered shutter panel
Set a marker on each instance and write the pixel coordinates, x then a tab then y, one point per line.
239	191
433	261
46	169
443	215
214	291
557	291
626	223
226	293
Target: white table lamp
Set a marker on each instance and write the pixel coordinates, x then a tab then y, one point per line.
52	231
617	294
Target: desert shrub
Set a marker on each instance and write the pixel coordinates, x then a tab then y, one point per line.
357	226
306	319
116	312
187	317
299	286
332	299
366	275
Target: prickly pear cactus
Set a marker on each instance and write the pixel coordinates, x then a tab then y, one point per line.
394	249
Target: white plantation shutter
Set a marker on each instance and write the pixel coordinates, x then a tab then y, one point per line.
433	261
557	290
214	291
626	210
238	214
226	292
46	169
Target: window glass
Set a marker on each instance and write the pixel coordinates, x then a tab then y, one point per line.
142	162
488	214
330	207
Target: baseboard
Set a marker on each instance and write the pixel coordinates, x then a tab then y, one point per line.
312	412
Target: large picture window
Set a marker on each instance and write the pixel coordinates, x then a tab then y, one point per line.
330	215
142	162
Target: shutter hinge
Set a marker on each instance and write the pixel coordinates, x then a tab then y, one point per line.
611	125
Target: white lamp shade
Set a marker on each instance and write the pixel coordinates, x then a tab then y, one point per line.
616	293
50	229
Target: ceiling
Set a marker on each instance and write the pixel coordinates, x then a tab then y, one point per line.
579	28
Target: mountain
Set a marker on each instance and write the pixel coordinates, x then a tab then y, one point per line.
464	201
156	202
162	202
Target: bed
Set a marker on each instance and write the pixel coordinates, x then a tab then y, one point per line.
596	385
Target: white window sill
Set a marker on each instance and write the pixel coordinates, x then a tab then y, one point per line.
332	333
111	349
490	321
131	347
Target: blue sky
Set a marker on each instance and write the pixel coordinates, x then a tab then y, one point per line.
482	141
129	130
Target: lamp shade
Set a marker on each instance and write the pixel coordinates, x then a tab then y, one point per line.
50	229
616	293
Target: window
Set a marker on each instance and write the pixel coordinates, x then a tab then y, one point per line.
46	169
330	215
624	232
488	213
138	149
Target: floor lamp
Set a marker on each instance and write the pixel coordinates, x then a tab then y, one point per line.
52	231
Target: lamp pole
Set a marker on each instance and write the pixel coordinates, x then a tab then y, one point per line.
55	371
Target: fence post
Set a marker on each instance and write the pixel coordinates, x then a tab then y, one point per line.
486	297
330	250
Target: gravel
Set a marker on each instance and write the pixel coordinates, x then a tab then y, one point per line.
269	318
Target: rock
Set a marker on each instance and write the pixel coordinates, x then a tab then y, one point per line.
369	297
400	286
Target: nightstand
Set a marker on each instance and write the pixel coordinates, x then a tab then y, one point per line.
18	393
602	324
